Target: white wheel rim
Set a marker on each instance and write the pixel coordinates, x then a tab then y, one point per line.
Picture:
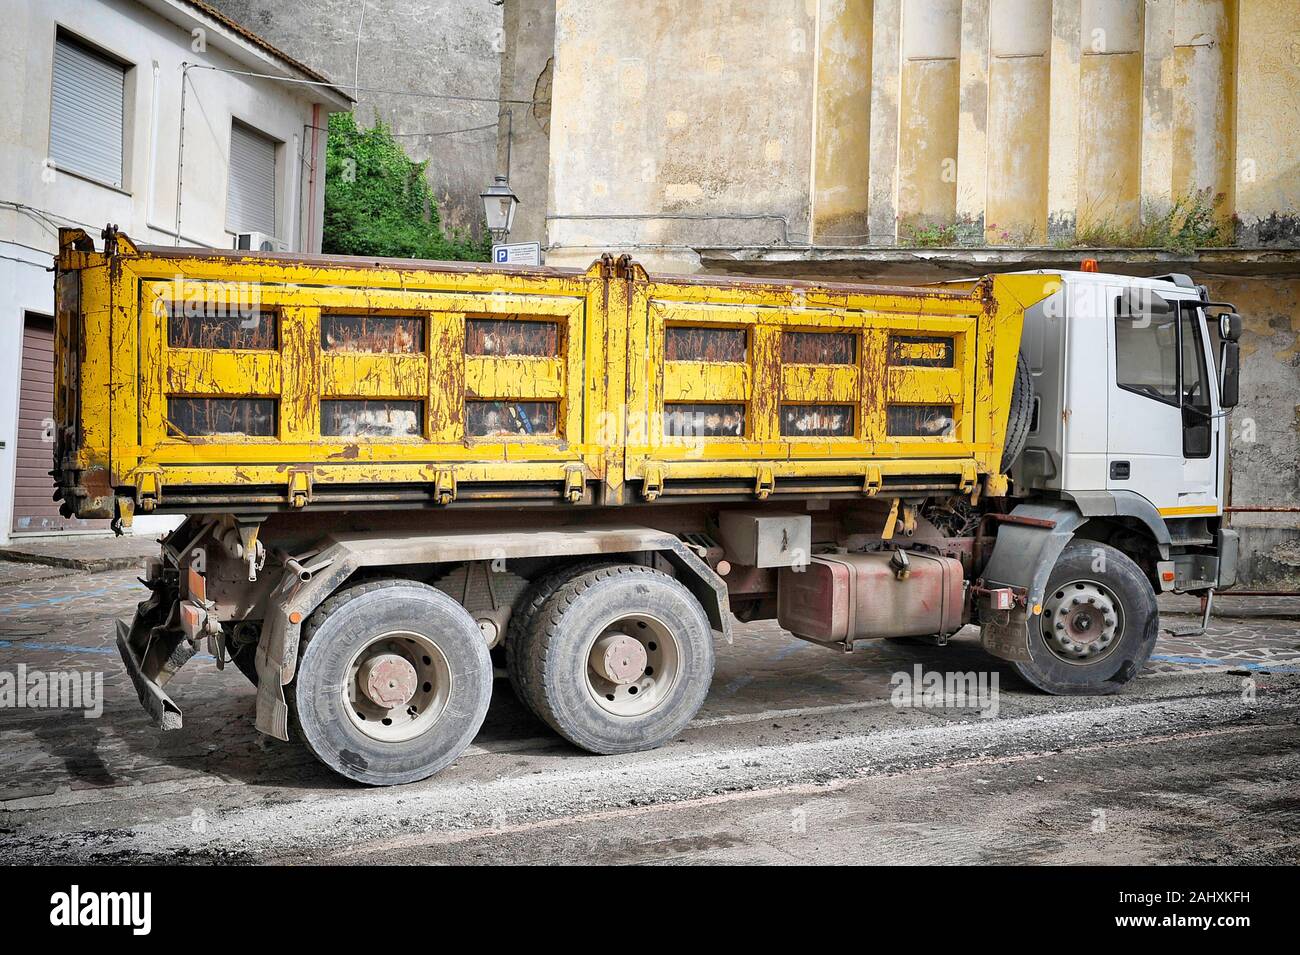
645	658
1082	621
396	719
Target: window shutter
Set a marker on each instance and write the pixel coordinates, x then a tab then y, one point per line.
250	200
86	117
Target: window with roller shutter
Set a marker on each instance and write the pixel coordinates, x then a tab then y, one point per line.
87	116
250	199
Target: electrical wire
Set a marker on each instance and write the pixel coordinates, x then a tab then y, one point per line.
35	265
427	94
448	132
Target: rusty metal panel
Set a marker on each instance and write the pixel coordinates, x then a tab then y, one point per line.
207	417
817	421
241	376
371	418
511	337
687	343
818	348
515	418
373	333
206	325
847	597
921	351
920	421
703	420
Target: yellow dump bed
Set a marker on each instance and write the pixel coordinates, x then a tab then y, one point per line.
191	380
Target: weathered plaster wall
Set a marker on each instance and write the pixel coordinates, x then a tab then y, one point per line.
1265	456
676	123
843	122
527	69
447	46
865	121
1268	112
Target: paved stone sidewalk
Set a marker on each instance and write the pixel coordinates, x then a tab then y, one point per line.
87	552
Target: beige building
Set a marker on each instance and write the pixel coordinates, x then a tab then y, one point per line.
92	135
876	122
913	140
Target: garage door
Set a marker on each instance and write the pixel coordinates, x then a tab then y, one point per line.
34	511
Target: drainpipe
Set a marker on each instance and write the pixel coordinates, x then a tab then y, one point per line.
311	180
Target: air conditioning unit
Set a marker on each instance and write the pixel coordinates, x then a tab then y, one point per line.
259	242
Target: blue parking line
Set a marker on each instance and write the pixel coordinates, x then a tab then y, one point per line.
1239	664
72	648
46	601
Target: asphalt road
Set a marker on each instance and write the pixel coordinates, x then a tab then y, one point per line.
799	755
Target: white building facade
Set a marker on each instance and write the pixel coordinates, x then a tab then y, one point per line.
94	136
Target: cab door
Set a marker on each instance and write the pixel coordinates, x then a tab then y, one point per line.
1163	441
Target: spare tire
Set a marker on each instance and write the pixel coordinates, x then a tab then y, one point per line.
1021	415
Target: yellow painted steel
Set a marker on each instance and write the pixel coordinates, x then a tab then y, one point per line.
609	380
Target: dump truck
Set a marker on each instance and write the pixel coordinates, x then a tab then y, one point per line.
399	479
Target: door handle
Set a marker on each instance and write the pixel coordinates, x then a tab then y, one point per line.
1119	470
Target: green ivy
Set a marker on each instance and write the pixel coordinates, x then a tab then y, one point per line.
379	203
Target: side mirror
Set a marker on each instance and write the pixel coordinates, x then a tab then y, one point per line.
1230	326
1229	373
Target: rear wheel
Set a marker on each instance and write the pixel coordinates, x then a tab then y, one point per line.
617	659
1098	625
393	682
521	623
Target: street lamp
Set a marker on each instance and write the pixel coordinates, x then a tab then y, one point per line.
499	204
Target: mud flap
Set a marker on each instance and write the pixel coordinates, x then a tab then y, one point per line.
1008	639
272	708
1023	557
164	713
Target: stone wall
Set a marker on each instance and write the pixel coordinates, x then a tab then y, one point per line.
443	46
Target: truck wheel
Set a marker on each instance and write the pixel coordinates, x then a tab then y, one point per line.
618	659
521	622
393	682
1098	625
1020	416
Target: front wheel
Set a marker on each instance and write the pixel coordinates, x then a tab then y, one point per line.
393	682
1098	625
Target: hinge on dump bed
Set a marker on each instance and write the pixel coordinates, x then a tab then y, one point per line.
872	481
574	485
765	483
299	487
444	486
652	482
148	489
970	479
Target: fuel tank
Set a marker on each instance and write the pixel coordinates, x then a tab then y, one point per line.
839	597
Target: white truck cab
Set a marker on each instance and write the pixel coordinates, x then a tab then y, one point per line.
1133	380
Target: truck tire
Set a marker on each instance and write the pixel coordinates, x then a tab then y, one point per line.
393	682
521	622
1021	415
1098	625
617	659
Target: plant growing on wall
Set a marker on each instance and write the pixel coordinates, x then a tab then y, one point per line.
378	201
1191	221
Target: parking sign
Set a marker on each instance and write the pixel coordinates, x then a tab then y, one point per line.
517	253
